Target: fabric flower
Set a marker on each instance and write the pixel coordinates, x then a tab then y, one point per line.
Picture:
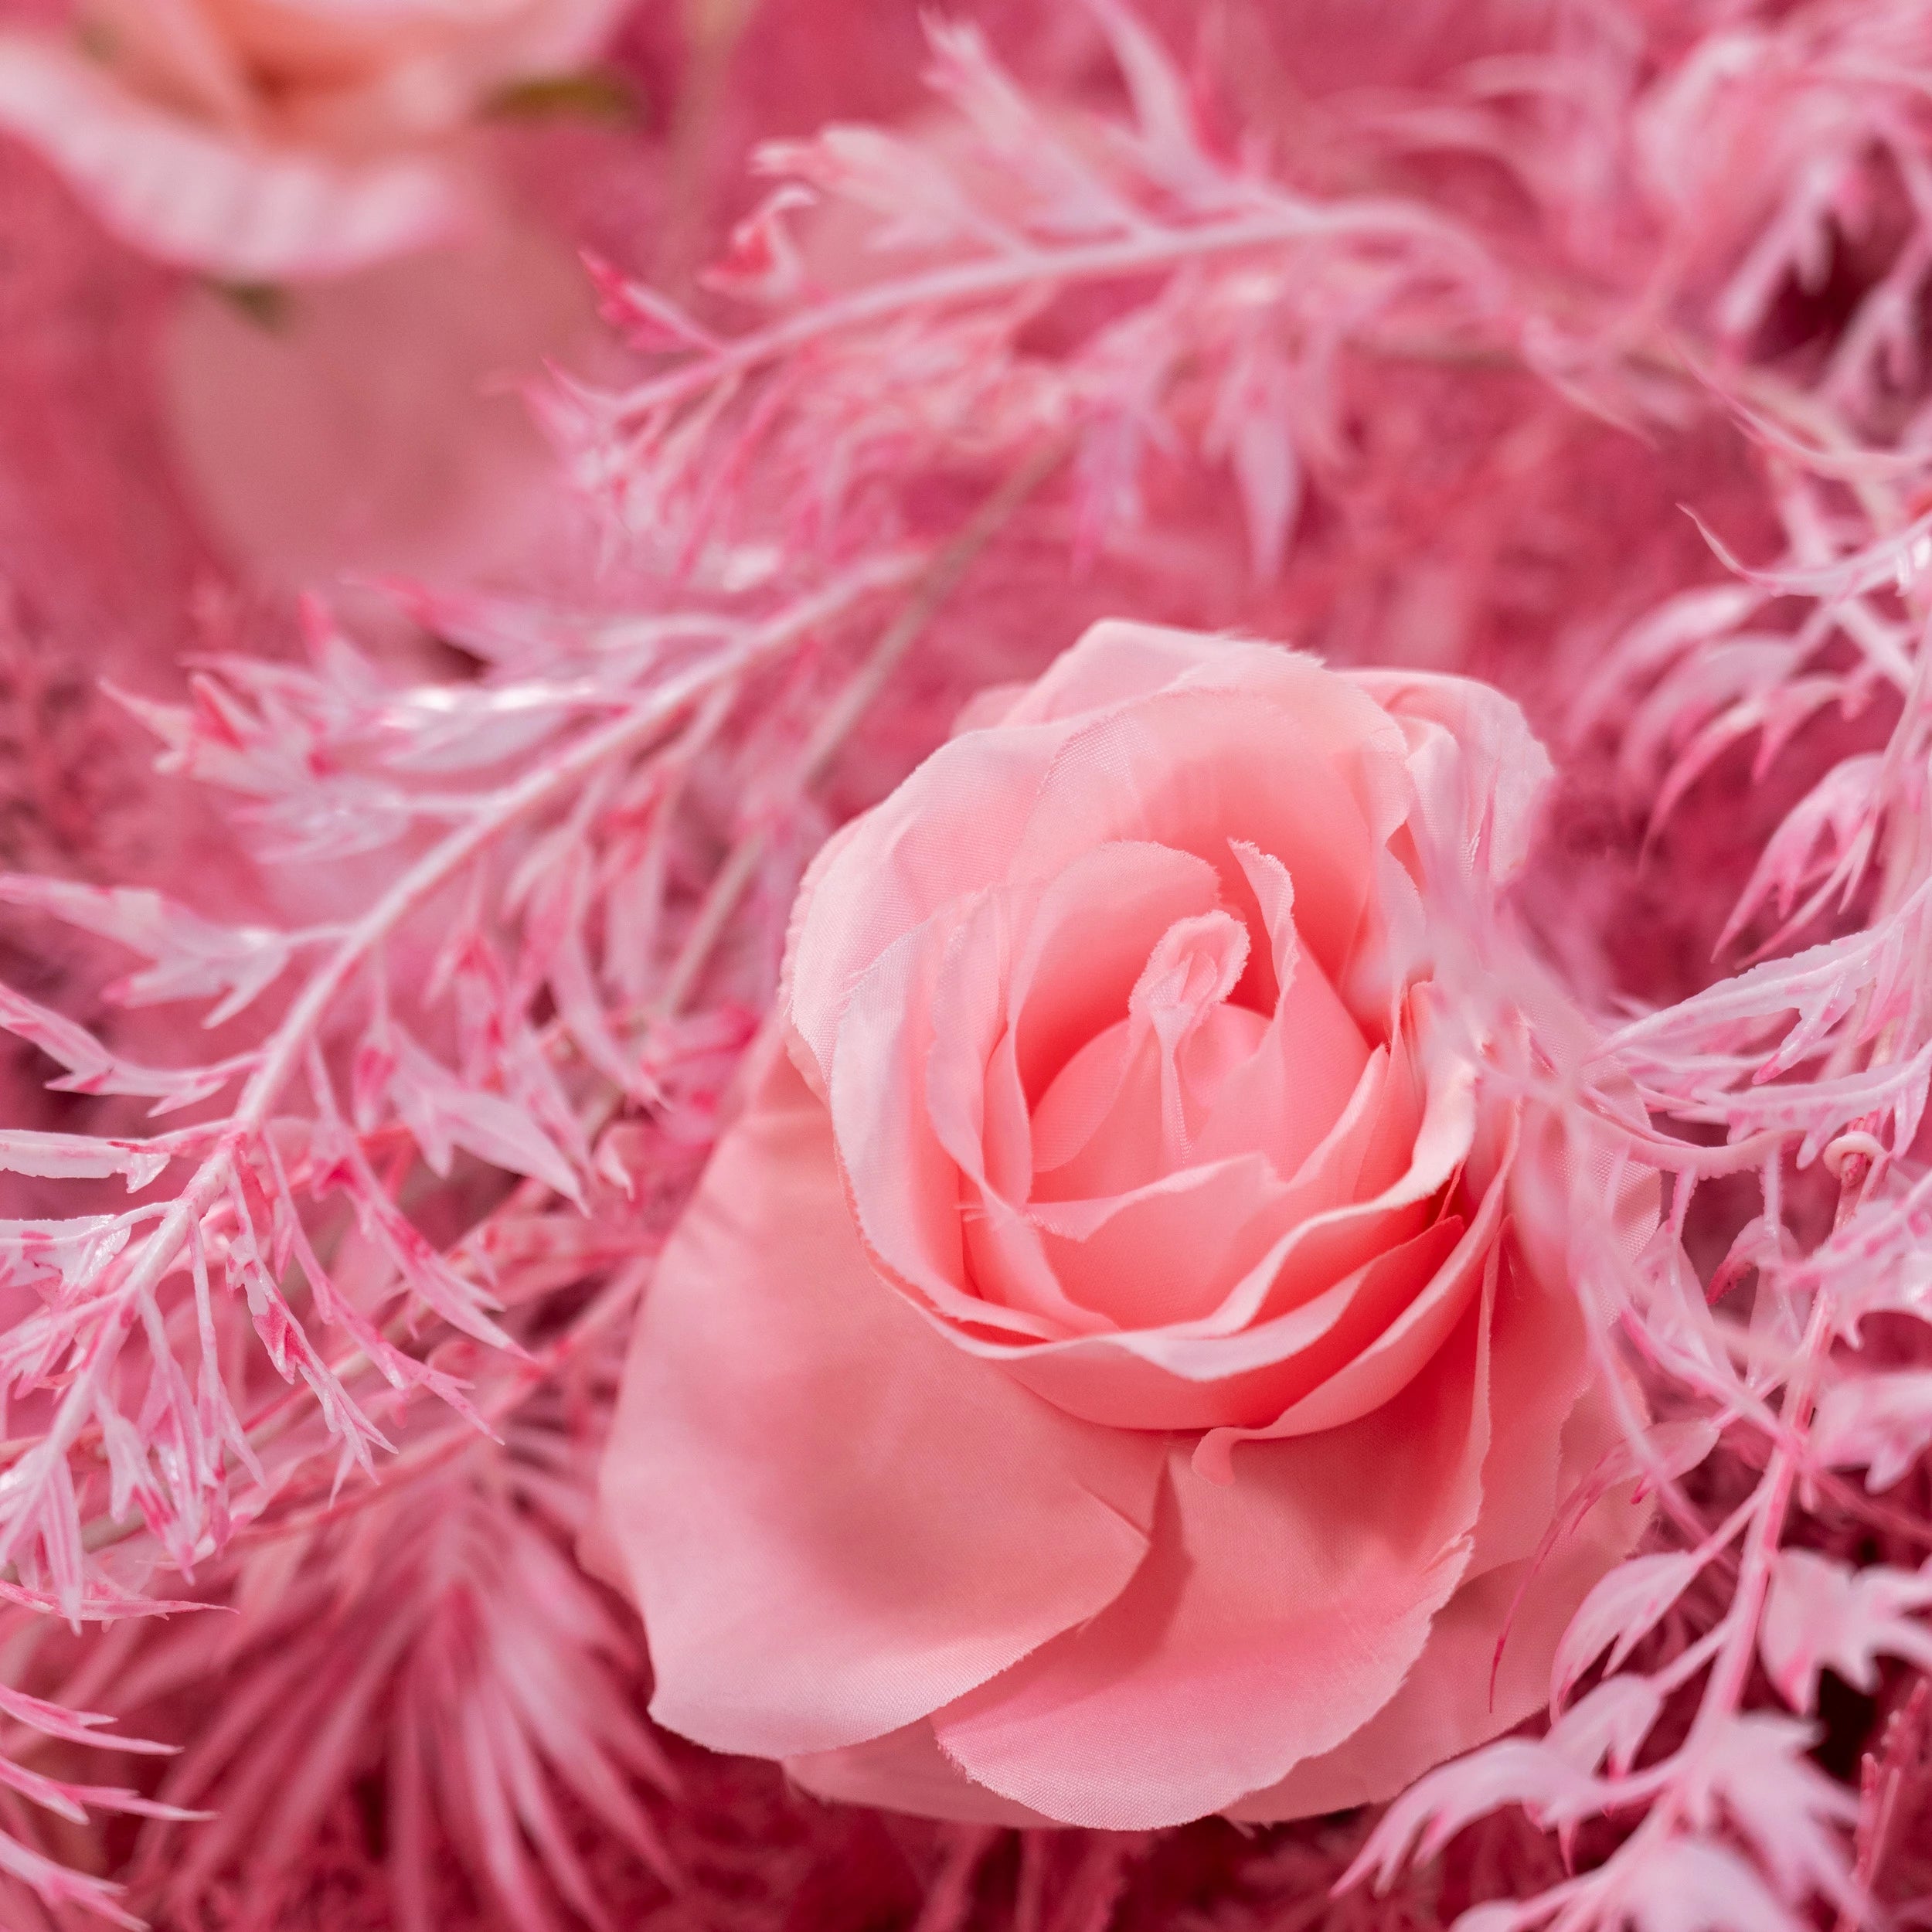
263	140
1098	1380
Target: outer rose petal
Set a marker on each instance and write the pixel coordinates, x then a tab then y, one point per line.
1446	1705
1541	1375
906	1771
903	1185
1112	662
209	201
947	831
833	1521
1273	1618
1479	770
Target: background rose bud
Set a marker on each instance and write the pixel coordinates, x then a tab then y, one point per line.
1096	1381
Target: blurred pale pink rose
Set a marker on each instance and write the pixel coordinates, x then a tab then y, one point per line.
1098	1379
265	141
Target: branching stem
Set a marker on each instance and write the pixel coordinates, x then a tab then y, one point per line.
116	1311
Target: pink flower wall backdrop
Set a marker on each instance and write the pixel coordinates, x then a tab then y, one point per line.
486	492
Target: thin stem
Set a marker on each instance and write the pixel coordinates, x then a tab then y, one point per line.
983	278
941	580
936	582
1666	1783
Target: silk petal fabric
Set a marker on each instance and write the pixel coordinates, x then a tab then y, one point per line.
236	207
765	1402
274	140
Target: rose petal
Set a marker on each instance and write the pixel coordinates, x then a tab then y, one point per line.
173	51
1168	1252
1084	1095
1115	662
1446	1704
1326	1246
1542	1369
1209	1372
1391	1331
906	1771
1026	971
1002	1258
904	1184
1480	771
1029	973
1272	1618
209	200
1367	1337
1007	1264
823	1025
833	1520
987	708
1287	1359
948	831
1288	1094
1199	771
361	434
1128	1109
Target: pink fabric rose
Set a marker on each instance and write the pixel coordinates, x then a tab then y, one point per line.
1097	1380
274	140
